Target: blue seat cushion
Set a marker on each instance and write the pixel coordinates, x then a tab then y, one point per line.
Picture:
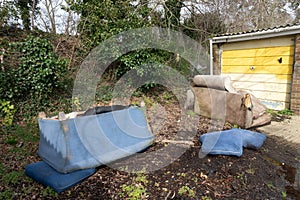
46	175
231	142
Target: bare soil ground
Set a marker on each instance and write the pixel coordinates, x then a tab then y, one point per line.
267	173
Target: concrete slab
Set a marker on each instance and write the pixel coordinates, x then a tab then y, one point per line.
289	129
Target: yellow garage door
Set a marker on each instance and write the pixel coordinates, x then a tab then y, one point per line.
261	67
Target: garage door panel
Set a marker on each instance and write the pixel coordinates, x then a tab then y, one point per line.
266	61
282	70
256	78
270	87
260	52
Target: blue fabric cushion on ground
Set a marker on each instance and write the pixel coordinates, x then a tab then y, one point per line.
46	175
251	139
231	142
222	142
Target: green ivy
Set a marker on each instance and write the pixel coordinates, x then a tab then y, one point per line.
37	78
41	70
101	20
7	111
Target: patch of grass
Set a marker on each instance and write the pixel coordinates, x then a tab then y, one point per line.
181	174
186	190
271	186
7	194
11	140
236	126
251	170
104	93
206	198
191	113
243	179
148	101
49	192
283	194
133	192
15	133
141	178
286	112
2	169
167	95
12	177
195	179
136	190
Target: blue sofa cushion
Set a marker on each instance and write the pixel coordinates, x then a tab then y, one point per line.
46	175
231	142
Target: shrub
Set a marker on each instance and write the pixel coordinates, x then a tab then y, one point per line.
37	75
40	70
7	112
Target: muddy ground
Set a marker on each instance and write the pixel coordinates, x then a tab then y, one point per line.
267	173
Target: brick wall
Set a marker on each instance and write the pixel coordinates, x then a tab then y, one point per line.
295	97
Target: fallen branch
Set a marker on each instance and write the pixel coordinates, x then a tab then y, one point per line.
183	142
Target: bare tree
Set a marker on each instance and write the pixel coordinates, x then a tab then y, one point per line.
48	14
57	17
247	15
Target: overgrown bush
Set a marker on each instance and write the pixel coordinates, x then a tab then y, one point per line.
38	74
41	70
7	111
102	20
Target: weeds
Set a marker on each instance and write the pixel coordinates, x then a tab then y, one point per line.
243	179
186	190
271	186
7	194
136	190
251	170
49	192
12	177
206	198
286	112
283	193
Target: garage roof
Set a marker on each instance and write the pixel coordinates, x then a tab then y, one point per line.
289	29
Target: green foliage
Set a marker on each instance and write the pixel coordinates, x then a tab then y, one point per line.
243	179
283	194
101	20
186	190
77	104
26	8
11	140
206	198
32	83
136	190
281	114
1	169
286	112
104	92
40	70
7	194
49	192
12	177
7	111
15	133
